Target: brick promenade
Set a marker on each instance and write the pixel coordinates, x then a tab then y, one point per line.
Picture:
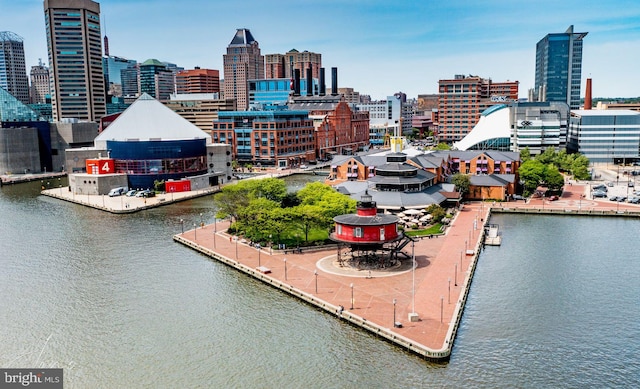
440	277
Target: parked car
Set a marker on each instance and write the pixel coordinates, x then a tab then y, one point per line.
131	193
599	193
609	184
553	198
602	187
622	198
634	200
517	197
631	184
117	191
613	198
142	193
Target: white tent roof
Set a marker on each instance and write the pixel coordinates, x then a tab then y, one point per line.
148	119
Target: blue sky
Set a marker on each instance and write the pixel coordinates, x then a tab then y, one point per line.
379	47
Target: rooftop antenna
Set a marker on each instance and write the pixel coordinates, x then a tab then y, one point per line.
106	39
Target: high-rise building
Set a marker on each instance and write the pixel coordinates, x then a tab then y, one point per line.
40	89
462	100
129	79
13	72
75	59
559	68
112	67
198	81
155	79
243	62
283	66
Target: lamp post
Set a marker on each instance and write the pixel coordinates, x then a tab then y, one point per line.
236	248
460	260
215	230
259	255
413	289
315	273
270	245
285	269
455	276
394	312
441	308
201	221
449	298
182	225
195	232
351	295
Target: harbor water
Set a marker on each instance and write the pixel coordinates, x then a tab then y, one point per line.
116	303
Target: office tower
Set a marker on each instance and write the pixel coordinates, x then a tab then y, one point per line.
13	72
75	59
112	67
155	79
243	62
462	100
559	67
40	89
129	79
284	65
198	81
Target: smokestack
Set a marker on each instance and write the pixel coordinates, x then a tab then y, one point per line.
587	95
296	82
334	81
323	87
309	82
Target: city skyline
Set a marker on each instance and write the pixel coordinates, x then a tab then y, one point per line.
367	40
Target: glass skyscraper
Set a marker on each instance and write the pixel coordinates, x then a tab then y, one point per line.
559	67
13	73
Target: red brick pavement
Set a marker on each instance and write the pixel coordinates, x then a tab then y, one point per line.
440	275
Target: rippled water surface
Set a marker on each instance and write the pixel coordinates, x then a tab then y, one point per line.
557	305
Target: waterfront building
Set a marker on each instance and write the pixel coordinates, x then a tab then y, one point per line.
387	117
40	89
75	57
515	126
282	138
201	109
147	143
339	128
559	68
463	99
13	72
198	81
412	179
156	79
242	62
605	135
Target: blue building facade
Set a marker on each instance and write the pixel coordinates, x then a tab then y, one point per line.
559	67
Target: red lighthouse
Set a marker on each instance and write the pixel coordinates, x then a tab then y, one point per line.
369	235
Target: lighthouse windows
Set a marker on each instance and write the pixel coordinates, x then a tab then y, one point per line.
357	232
382	233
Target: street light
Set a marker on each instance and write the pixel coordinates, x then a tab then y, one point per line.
394	312
236	247
315	273
195	232
182	225
441	307
413	291
201	221
215	230
285	269
449	298
259	255
351	295
455	276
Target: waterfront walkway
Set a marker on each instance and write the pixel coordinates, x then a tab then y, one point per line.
441	278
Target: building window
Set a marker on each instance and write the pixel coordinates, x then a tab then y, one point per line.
357	232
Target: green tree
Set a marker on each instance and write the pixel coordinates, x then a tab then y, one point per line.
547	157
437	213
308	216
525	154
580	167
442	146
532	173
462	183
553	178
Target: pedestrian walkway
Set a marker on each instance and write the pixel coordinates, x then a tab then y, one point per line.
432	292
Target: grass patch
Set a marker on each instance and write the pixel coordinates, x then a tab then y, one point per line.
433	230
